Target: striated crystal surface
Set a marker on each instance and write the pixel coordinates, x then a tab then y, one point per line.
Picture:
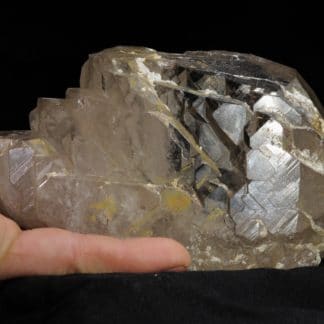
222	151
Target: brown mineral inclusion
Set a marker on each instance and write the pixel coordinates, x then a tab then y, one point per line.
221	151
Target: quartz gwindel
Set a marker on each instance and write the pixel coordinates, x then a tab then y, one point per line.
222	151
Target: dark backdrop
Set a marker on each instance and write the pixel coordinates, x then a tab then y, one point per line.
43	59
44	56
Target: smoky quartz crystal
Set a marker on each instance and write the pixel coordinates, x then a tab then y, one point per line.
221	151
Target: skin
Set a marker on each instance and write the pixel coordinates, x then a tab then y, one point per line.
52	251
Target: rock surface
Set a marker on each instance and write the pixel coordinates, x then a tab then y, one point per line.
222	151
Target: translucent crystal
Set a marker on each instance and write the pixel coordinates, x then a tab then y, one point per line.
222	151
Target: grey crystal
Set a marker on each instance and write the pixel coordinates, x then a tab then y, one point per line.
221	151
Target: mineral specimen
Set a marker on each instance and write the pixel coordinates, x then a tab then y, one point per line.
222	151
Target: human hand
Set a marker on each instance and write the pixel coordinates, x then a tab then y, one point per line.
48	251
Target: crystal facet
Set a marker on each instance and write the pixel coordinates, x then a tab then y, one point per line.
222	151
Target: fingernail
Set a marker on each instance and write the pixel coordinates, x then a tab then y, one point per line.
177	269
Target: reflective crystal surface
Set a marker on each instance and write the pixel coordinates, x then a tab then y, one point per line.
222	151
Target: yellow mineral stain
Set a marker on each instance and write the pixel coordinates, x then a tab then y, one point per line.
146	233
318	124
41	147
201	182
132	83
215	214
176	201
186	167
108	206
92	219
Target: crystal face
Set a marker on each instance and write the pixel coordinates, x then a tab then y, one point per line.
222	151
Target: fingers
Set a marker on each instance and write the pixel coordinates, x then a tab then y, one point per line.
56	251
9	231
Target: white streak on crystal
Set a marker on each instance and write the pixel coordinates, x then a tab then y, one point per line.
145	71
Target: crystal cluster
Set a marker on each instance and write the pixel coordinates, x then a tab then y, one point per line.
222	151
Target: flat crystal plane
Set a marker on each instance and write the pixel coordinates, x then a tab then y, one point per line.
221	151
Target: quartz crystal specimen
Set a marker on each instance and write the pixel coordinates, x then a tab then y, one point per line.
222	151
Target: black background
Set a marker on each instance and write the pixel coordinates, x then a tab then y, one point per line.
43	56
